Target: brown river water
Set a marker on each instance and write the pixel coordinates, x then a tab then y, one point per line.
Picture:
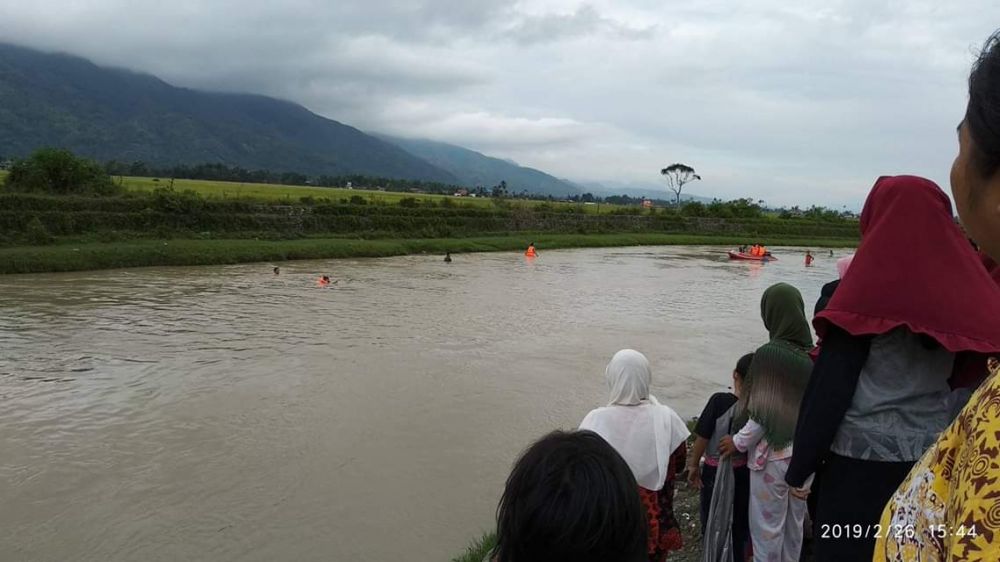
225	413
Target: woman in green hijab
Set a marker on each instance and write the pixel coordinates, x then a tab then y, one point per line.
771	398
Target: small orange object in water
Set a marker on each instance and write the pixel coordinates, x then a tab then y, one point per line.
530	252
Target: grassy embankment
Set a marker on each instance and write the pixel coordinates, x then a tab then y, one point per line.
71	256
478	550
231	223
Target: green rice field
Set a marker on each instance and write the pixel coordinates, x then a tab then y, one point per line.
292	193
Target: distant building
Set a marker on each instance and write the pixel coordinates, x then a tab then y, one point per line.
462	192
647	204
6	164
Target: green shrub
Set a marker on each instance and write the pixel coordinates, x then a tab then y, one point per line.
170	201
408	202
37	234
694	209
51	170
358	200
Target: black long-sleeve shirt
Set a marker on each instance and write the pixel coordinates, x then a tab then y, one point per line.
827	398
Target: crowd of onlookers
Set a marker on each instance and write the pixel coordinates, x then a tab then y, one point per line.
881	440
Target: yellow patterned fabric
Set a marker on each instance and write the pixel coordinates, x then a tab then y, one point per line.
948	508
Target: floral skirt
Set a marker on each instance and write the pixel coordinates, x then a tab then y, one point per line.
664	531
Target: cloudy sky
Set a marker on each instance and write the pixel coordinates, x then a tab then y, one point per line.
790	102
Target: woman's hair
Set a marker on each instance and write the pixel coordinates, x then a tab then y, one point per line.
982	118
572	498
743	365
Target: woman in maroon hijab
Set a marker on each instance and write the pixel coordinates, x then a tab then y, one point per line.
915	297
948	508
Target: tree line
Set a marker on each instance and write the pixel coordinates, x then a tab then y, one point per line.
58	171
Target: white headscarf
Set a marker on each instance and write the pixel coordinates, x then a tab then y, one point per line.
643	431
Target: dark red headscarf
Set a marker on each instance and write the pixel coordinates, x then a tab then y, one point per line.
991	266
915	268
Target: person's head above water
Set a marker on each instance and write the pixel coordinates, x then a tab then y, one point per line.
326	278
571	498
975	175
276	271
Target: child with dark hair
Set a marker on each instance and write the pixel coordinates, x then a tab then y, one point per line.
570	498
714	423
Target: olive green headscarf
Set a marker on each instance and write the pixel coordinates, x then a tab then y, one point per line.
780	369
784	316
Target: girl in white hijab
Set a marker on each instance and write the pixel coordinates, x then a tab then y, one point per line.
650	437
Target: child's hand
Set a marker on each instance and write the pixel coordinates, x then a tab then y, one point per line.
800	493
694	476
726	445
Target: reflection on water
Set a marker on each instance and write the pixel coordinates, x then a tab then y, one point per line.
225	413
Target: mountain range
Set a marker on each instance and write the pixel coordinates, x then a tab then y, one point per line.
103	113
475	169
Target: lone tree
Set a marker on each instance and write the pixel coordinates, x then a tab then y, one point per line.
677	176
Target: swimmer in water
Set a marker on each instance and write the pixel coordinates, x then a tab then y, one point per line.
447	257
277	271
324	281
530	252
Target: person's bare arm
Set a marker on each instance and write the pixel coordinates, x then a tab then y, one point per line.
694	462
